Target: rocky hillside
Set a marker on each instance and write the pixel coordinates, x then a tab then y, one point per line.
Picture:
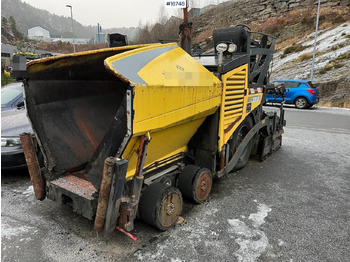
332	63
293	23
9	32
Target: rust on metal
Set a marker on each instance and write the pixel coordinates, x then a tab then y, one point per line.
232	124
170	208
80	181
88	131
140	155
33	166
125	215
222	160
203	186
104	194
186	34
77	185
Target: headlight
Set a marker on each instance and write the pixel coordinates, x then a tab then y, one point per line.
10	141
232	48
222	47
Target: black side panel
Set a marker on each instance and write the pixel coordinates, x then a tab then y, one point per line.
204	143
236	35
71	118
108	146
116	39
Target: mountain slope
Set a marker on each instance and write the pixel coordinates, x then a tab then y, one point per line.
27	16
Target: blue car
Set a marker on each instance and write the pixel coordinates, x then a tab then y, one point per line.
303	94
12	96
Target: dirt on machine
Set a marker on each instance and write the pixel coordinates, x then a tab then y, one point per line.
131	131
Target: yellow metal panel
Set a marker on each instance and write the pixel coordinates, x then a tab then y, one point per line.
234	92
170	87
178	89
164	144
172	96
238	101
161	107
230	83
176	68
232	112
233	105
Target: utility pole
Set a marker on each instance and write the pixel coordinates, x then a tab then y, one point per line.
71	15
185	29
98	33
315	43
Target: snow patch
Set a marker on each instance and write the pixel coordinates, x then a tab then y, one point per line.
29	191
326	40
7	231
251	240
258	218
201	234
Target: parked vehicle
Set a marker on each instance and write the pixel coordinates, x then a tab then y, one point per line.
301	93
12	96
13	123
131	131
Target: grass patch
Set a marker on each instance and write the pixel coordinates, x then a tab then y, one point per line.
343	104
294	48
336	47
345	56
336	63
6	79
330	66
304	57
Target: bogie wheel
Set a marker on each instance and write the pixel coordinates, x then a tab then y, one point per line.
301	103
195	183
237	138
160	205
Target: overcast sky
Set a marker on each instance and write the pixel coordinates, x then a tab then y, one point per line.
112	13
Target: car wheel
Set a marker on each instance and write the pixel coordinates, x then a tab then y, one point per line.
301	103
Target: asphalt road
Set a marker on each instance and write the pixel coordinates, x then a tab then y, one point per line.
292	207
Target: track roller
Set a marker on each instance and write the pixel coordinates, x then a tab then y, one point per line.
195	183
160	205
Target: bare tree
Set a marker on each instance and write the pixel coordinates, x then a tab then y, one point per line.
162	15
143	36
